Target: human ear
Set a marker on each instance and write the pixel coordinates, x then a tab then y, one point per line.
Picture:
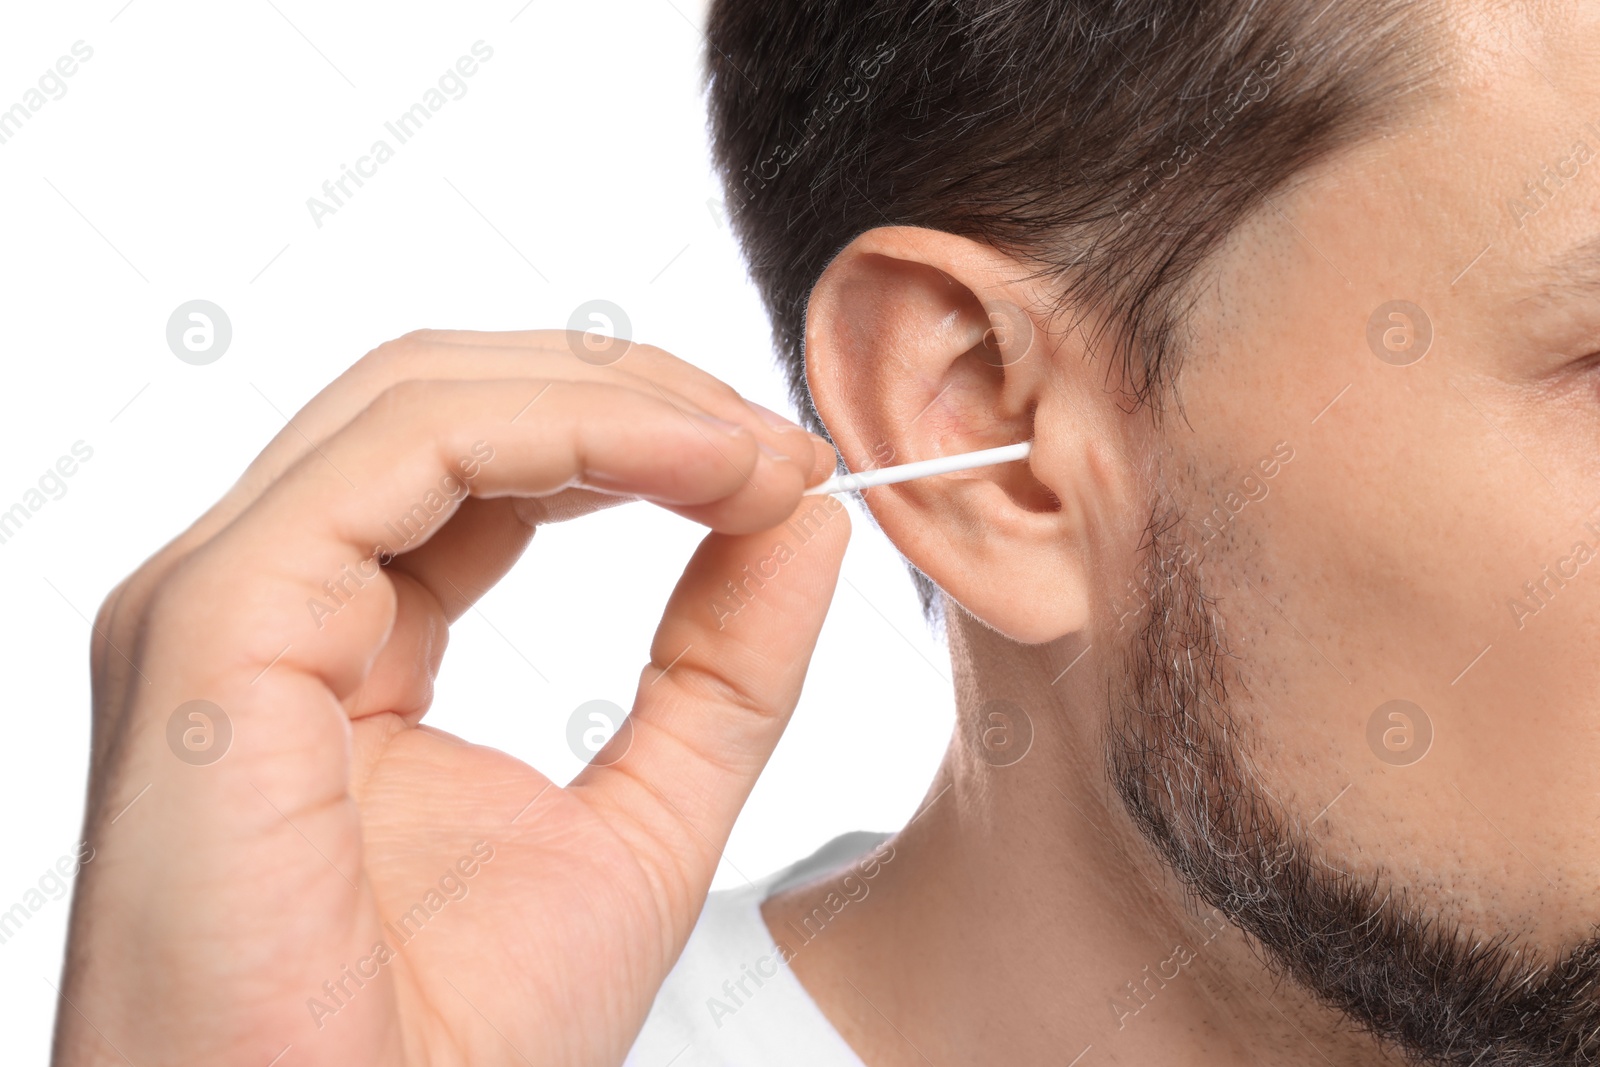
921	344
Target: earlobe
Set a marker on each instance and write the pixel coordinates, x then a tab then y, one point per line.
920	344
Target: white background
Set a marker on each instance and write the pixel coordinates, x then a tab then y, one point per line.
177	166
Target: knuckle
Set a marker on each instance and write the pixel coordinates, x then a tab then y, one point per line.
401	397
171	598
708	685
127	608
725	392
394	359
108	607
107	619
653	353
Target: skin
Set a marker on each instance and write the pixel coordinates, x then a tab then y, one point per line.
1020	902
218	905
1378	565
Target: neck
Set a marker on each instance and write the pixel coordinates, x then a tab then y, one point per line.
1022	919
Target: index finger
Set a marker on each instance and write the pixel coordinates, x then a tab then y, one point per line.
390	479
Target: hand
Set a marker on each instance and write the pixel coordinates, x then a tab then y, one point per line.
364	889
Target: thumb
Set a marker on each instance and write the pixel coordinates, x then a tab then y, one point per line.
725	672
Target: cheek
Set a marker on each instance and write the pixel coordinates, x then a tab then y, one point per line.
1423	500
1409	553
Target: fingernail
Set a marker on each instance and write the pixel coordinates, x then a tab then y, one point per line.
777	457
772	418
729	428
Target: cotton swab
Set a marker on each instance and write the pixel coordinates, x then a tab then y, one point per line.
905	472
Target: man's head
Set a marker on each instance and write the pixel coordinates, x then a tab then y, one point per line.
1300	305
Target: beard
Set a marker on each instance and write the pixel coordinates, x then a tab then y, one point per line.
1433	990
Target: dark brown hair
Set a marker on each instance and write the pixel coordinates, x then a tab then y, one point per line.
1113	143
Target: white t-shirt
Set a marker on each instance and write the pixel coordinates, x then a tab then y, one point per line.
732	1000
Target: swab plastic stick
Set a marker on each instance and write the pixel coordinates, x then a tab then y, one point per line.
905	472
